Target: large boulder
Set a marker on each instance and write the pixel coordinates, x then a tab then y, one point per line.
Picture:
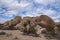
17	20
46	22
14	22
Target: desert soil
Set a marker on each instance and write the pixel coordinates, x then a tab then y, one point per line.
17	35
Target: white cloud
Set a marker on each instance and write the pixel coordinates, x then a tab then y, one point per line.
17	8
14	5
45	2
49	12
2	20
2	11
10	13
57	20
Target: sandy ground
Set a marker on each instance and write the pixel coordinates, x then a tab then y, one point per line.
17	35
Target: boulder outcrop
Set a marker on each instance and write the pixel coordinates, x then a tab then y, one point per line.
46	22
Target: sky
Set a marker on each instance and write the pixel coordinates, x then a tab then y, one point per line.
11	8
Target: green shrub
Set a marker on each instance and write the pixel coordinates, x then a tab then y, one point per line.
30	30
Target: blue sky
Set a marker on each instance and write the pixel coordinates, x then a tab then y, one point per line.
11	8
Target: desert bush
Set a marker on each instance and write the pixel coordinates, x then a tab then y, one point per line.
29	30
25	27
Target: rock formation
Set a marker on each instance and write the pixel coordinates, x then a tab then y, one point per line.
46	22
30	23
10	24
17	20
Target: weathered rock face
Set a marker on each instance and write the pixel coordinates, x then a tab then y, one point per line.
18	26
6	25
10	24
46	19
58	25
17	20
47	22
14	22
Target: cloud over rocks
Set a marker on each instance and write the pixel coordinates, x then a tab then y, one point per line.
11	8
